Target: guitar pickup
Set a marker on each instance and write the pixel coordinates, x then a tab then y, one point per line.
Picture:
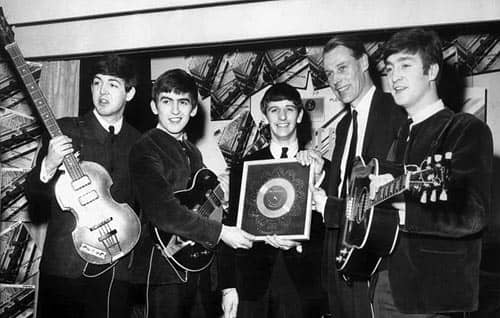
80	183
88	197
95	227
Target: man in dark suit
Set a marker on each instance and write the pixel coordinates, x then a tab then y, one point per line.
434	270
374	120
162	162
101	136
278	277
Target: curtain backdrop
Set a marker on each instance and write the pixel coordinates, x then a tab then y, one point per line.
59	81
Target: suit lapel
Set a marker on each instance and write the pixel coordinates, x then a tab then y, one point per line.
376	116
340	139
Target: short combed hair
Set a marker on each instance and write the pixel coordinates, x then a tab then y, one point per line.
177	81
279	92
119	66
424	42
351	42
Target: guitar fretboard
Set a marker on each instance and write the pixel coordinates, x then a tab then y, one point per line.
70	161
391	189
214	200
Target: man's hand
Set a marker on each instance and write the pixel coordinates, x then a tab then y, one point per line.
283	244
311	157
319	198
224	184
59	147
377	182
230	302
236	238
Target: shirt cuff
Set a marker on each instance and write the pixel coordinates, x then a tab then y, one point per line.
46	176
402	217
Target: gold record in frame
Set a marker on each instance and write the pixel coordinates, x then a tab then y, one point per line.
275	199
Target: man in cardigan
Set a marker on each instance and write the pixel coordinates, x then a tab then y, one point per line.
278	277
101	136
374	120
434	270
162	162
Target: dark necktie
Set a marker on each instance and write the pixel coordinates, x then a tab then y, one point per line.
284	151
340	141
351	154
353	144
112	135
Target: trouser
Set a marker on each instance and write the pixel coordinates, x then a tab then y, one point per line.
99	297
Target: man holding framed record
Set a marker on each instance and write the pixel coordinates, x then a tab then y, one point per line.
280	275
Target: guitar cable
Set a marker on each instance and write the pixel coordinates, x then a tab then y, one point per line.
167	257
149	273
147	281
112	266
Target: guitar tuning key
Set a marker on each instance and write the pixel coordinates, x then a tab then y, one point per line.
443	196
423	198
433	195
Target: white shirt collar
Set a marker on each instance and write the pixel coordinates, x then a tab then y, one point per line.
118	125
363	106
427	111
275	148
181	137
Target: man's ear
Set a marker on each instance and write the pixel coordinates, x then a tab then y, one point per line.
433	71
194	111
299	117
130	94
154	109
365	64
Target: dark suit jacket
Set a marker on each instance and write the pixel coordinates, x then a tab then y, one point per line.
249	271
435	267
159	167
384	120
59	257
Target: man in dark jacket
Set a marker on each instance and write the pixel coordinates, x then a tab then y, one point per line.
162	162
102	136
434	270
374	121
276	277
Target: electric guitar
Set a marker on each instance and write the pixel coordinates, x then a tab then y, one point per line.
370	234
205	196
105	230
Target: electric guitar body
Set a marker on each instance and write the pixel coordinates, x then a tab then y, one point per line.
205	198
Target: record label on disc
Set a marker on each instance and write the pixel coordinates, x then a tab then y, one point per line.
275	197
